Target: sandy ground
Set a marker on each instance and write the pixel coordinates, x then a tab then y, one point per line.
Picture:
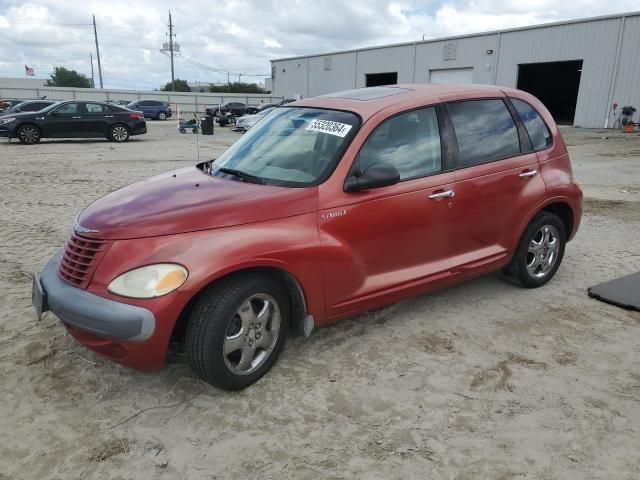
483	380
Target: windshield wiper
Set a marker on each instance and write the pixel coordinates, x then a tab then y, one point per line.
247	177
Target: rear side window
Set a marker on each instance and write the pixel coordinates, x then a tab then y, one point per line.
533	122
410	142
485	131
94	108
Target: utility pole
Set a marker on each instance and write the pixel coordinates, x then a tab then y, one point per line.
95	34
228	83
173	81
93	80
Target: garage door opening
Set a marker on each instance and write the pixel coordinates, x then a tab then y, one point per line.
451	75
556	84
377	79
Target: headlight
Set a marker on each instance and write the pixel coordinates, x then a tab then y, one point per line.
7	120
150	281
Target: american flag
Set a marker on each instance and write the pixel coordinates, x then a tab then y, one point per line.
28	71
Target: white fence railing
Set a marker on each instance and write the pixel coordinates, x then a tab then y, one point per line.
184	102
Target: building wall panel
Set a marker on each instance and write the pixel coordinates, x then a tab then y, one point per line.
626	89
470	52
380	60
593	42
341	74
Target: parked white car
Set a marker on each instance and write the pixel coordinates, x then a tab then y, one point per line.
245	122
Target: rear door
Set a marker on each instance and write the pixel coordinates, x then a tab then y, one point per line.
97	119
387	241
496	181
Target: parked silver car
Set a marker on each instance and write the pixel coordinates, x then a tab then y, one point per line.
245	122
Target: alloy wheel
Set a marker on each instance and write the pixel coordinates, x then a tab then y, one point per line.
120	133
542	253
162	116
29	134
252	334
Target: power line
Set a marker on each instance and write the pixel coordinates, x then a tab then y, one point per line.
218	70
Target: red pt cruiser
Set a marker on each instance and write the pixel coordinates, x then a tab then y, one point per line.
328	207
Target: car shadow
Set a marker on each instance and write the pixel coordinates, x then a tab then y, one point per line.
71	141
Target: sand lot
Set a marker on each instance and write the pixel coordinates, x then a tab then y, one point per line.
483	380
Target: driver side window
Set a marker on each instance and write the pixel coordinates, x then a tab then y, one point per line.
409	141
68	109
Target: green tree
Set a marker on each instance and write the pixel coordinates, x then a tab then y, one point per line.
63	77
180	86
237	87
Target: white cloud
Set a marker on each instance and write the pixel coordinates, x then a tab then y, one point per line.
242	35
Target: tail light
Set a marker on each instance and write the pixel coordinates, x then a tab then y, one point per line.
136	115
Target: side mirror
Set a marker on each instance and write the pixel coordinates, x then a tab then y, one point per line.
376	176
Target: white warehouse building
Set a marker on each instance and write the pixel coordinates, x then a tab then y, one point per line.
578	68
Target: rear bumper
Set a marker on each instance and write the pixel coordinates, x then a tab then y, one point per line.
139	129
91	313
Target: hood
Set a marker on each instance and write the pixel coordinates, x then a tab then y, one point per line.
188	200
20	114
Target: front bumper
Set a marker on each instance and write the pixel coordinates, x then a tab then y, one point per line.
88	312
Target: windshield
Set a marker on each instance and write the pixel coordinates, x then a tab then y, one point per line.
291	146
51	107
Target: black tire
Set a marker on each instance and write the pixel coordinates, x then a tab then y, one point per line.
195	130
162	116
524	261
119	133
28	134
216	313
182	130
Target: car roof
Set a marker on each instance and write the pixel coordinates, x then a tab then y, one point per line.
38	101
369	100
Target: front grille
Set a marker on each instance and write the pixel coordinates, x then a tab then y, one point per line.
79	259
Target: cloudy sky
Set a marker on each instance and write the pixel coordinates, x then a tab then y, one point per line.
241	36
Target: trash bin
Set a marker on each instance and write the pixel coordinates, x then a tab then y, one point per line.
206	125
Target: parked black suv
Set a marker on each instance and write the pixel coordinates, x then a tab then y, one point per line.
236	109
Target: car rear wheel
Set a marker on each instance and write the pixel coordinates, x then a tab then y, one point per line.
539	252
162	116
119	133
28	134
237	330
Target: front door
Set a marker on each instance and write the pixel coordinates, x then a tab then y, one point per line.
64	121
383	243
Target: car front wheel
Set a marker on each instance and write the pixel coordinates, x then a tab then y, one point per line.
119	133
539	252
28	134
237	330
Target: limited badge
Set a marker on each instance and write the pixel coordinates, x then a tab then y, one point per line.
327	126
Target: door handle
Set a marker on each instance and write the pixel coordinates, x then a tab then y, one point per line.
445	194
108	116
76	117
528	173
